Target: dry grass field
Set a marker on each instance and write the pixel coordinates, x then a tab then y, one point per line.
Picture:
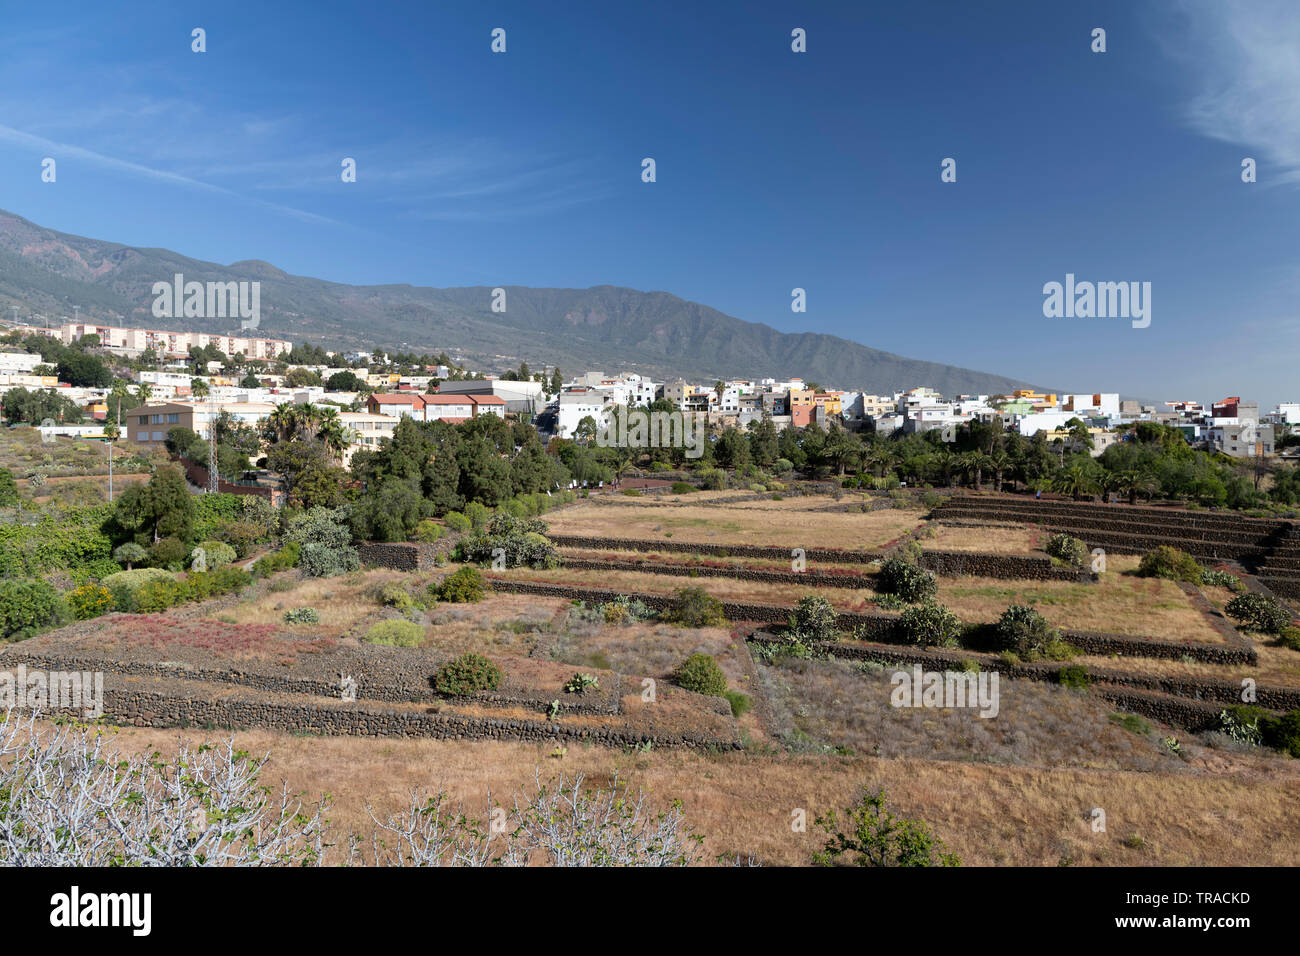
1003	539
1118	604
1222	809
342	603
789	523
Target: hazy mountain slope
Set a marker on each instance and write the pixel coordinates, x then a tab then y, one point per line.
605	327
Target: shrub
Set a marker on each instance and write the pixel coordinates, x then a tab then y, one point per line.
160	594
478	515
1290	637
325	561
1133	724
125	584
1282	733
741	704
282	560
1026	632
216	554
396	633
521	541
578	683
877	838
394	595
94	570
1067	550
169	553
226	580
28	606
429	531
1075	676
90	600
325	539
1169	562
1259	613
1241	723
813	621
301	615
464	586
930	624
456	521
906	581
701	673
1222	579
467	674
129	554
713	479
683	488
695	607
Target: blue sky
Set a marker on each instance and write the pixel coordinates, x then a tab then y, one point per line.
775	170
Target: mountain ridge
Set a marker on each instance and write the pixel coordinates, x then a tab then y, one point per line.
605	327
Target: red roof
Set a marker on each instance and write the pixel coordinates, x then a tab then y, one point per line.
416	400
447	399
486	399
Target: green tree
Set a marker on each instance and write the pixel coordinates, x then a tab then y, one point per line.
162	508
875	837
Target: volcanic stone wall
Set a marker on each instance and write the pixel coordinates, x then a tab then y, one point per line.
884	627
945	563
399	556
186	707
1221	693
715	550
1027	567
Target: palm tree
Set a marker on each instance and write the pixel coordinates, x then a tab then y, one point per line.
199	388
877	459
280	423
1132	483
999	462
143	392
945	462
332	433
1075	482
974	463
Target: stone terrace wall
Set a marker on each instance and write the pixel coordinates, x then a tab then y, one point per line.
1181	701
1219	692
405	681
714	550
884	627
1027	567
189	707
400	556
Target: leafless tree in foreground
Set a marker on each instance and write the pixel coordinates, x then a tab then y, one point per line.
557	823
68	799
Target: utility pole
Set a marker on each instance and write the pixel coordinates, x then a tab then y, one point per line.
110	449
213	477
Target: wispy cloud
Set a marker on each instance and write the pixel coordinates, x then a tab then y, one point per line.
63	150
1245	56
